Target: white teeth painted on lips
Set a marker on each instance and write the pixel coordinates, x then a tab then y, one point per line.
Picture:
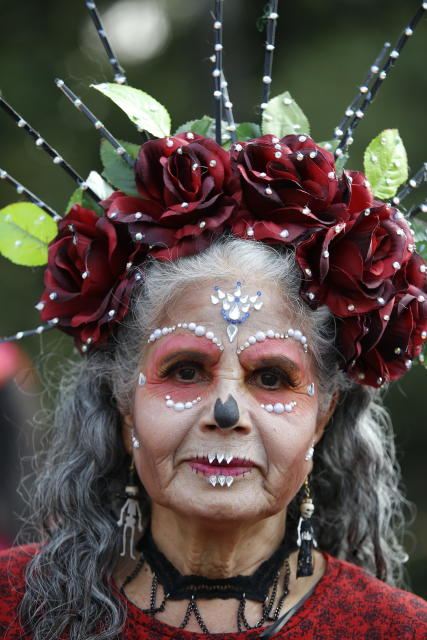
221	480
219	456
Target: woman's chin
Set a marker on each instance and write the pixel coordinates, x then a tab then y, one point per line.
243	500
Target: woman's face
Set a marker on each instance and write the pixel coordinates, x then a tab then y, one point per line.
210	446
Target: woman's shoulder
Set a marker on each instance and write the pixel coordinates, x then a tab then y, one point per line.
13	563
350	598
365	584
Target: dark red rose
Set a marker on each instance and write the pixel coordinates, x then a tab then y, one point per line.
379	346
88	279
361	195
357	266
188	190
290	186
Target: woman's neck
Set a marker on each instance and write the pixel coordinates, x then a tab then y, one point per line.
222	551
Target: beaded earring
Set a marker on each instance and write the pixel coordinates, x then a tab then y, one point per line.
306	539
130	514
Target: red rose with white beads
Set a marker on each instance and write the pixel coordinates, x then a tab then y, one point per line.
89	278
189	192
378	347
290	187
359	265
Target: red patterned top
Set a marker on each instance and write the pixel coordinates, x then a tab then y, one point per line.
347	604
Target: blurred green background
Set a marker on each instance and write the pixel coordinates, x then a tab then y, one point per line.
325	50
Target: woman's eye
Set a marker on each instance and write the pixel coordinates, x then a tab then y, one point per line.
271	379
186	374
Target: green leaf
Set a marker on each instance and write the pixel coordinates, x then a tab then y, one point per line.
97	183
419	227
79	196
25	232
142	109
226	144
205	126
247	130
340	163
386	164
116	170
283	116
76	198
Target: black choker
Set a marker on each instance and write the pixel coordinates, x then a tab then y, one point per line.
181	587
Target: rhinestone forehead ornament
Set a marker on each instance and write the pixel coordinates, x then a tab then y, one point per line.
235	307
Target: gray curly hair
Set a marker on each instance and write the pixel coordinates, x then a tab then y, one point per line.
355	481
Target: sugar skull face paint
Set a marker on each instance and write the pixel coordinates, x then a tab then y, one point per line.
279	407
198	330
181	406
233	458
260	336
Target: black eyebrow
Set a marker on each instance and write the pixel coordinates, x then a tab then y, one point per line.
278	361
187	354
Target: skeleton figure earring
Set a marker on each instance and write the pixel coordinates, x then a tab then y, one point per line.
306	539
130	514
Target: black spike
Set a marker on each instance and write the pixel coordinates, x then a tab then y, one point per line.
417	209
228	109
217	72
30	332
4	175
120	150
363	89
119	72
42	144
269	51
347	139
412	184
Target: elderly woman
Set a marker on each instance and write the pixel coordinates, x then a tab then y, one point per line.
220	463
222	407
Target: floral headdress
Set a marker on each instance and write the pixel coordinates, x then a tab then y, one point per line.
174	194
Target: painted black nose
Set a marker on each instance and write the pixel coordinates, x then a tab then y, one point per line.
226	413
